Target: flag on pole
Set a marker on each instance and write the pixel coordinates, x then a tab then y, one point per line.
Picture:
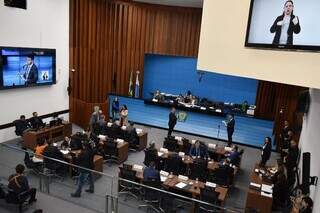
130	86
137	88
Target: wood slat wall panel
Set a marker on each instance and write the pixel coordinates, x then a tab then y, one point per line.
108	40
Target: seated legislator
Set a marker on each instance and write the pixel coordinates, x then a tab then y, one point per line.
150	172
76	142
198	151
39	150
19	183
132	134
65	143
234	156
22	125
35	121
157	96
52	151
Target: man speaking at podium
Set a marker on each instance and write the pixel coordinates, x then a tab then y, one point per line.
31	71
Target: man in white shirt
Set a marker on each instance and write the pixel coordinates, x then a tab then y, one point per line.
285	25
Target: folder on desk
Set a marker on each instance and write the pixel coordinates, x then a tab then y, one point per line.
160	154
181	185
255	185
266	188
164	173
266	194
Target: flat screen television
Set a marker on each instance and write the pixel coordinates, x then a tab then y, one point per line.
26	67
284	24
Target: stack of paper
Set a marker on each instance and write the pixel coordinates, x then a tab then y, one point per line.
139	131
182	177
102	137
163	178
181	185
109	124
163	150
137	168
210	184
218	110
178	138
65	152
160	154
212	145
120	140
124	127
154	100
203	108
181	154
228	149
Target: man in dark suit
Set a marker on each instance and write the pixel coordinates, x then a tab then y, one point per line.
18	183
21	125
291	161
150	172
31	74
172	120
285	25
266	151
132	134
35	121
230	128
198	151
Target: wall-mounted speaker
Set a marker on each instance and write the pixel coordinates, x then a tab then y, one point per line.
306	172
16	3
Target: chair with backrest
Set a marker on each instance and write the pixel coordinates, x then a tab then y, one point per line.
126	187
209	195
110	151
198	169
174	164
186	145
35	167
150	156
18	199
151	197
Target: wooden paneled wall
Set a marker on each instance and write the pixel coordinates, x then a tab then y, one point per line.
108	40
278	102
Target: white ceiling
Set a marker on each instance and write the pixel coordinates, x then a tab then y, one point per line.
181	3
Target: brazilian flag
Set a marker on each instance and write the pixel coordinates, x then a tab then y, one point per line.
130	93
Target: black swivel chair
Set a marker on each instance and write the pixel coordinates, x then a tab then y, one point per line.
171	145
174	165
18	199
32	166
150	156
110	151
186	145
127	175
198	169
209	195
151	197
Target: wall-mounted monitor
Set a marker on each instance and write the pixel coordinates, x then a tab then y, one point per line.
25	67
284	24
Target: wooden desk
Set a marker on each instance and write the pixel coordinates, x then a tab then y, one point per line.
123	149
254	198
97	161
54	134
194	189
143	140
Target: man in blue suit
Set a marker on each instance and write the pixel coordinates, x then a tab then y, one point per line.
197	151
150	173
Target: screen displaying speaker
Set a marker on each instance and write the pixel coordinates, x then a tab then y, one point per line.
285	24
25	67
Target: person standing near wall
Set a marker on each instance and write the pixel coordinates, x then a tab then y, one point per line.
115	108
